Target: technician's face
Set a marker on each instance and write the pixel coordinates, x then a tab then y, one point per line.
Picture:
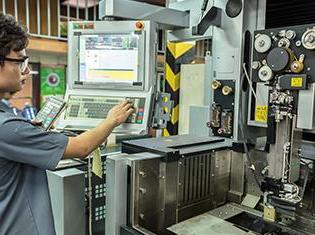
11	74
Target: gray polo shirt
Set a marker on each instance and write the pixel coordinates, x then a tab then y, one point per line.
26	152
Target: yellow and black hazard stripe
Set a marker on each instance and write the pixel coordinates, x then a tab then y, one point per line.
176	54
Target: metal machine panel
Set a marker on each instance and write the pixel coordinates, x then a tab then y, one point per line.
66	189
198	118
204	180
237	184
168	18
193	6
173	146
192	85
116	183
180	183
306	105
222	166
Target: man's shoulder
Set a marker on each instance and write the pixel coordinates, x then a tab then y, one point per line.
8	117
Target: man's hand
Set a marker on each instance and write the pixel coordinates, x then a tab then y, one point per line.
36	122
119	113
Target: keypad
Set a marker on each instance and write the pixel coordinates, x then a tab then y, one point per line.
84	107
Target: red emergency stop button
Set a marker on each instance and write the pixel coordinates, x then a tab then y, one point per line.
139	25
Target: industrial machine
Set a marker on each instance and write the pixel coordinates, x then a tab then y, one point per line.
282	60
251	173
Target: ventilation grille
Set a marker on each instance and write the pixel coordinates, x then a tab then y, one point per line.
195	177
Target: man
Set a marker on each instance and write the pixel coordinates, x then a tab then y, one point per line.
27	151
7	96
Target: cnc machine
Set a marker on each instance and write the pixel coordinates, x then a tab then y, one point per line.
249	175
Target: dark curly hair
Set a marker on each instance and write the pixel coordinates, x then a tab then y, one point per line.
13	36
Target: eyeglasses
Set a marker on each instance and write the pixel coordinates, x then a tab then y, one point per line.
23	62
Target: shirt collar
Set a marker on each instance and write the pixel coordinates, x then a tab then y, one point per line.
4	107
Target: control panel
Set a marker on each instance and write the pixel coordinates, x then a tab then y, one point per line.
51	110
222	108
89	107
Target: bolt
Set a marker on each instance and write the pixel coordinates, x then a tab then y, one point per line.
310	38
264	73
261	43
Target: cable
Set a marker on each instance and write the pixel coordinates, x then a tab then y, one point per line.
306	177
246	149
250	84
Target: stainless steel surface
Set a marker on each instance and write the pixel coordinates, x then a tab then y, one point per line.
250	201
232	209
116	195
306	105
259	160
193	6
277	161
148	194
199	115
66	188
237	185
167	18
167	192
194	185
308	150
207	223
222	165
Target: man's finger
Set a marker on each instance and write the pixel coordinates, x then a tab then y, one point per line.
127	107
36	122
123	103
130	111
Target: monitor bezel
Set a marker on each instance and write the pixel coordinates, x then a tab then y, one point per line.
77	83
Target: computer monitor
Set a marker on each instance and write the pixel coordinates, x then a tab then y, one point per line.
110	58
112	55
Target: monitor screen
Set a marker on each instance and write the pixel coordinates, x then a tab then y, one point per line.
109	58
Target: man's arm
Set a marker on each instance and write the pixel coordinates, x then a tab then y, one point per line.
82	145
